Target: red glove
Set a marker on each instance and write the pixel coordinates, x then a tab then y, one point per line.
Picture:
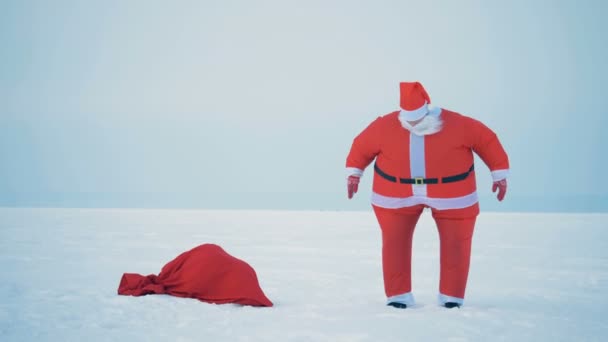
352	184
501	185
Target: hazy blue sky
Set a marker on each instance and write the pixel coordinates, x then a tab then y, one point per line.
254	104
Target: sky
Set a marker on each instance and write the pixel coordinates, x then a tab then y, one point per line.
254	104
61	269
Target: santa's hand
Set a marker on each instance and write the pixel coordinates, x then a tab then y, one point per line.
352	185
501	186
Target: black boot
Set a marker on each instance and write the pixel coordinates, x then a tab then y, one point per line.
397	305
451	305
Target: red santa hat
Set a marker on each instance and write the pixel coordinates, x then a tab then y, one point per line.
414	100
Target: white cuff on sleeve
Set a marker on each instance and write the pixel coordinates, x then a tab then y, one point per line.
498	175
353	171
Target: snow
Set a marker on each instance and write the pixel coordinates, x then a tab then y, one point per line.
534	277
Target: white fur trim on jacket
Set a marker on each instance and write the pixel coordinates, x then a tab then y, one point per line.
498	175
437	203
353	171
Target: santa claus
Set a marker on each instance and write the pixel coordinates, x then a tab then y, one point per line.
424	159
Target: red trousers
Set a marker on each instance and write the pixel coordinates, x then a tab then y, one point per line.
455	227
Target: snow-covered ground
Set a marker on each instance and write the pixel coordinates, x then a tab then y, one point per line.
534	277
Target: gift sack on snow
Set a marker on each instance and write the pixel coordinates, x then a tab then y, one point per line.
206	273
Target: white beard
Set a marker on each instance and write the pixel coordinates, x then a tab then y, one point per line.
430	124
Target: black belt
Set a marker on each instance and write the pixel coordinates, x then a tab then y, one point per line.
420	180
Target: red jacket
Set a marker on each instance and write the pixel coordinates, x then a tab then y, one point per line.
441	161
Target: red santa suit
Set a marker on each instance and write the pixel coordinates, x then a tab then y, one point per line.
425	165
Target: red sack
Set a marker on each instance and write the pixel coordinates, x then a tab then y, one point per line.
206	273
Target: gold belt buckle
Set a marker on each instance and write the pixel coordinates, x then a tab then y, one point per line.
418	180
